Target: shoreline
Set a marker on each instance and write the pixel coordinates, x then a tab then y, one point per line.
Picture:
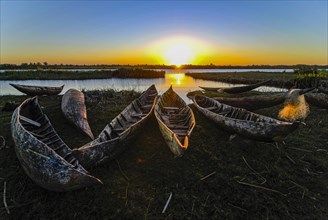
81	75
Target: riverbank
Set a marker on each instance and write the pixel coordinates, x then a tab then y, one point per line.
280	80
248	180
80	75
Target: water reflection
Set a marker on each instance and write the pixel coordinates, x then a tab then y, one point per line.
181	83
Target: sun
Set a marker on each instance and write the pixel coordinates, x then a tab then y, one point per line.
178	50
178	54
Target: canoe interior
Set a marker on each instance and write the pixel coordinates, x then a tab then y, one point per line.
175	114
37	124
132	114
231	112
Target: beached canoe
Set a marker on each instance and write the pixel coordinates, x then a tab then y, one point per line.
38	90
317	99
253	102
46	159
210	89
120	132
242	122
262	101
323	90
176	121
74	110
236	89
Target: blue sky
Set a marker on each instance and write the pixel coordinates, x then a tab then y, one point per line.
62	31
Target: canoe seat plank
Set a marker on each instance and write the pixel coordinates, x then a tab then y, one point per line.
30	121
177	126
138	115
211	108
171	108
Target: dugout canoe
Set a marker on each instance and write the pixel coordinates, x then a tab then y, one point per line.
242	122
38	90
253	102
317	99
236	89
323	90
46	159
120	132
74	110
175	120
261	101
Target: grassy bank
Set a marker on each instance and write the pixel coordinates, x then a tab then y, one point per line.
251	180
279	79
68	75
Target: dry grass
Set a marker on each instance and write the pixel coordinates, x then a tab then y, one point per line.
251	180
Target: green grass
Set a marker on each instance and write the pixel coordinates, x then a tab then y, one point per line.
282	80
297	169
92	74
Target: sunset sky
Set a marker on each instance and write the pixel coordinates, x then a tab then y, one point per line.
153	32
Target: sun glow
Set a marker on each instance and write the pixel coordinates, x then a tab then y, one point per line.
178	54
178	50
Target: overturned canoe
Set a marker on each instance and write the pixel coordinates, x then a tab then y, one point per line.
253	102
38	90
242	122
74	110
237	89
119	133
46	159
176	121
317	99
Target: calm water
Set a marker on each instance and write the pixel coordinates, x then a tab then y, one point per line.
181	84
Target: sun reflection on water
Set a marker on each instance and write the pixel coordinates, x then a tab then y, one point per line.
178	79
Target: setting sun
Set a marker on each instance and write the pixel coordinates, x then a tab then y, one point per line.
178	54
178	50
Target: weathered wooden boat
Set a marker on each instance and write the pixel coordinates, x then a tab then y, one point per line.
210	89
176	121
46	159
253	102
237	89
120	132
74	110
317	99
38	90
323	90
261	101
242	122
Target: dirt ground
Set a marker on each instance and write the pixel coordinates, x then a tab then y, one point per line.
247	180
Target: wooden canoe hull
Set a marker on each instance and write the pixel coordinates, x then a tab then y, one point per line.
323	90
38	90
317	99
40	162
237	89
210	89
253	102
175	144
107	147
74	110
262	129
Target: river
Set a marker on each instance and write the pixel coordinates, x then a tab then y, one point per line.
181	83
